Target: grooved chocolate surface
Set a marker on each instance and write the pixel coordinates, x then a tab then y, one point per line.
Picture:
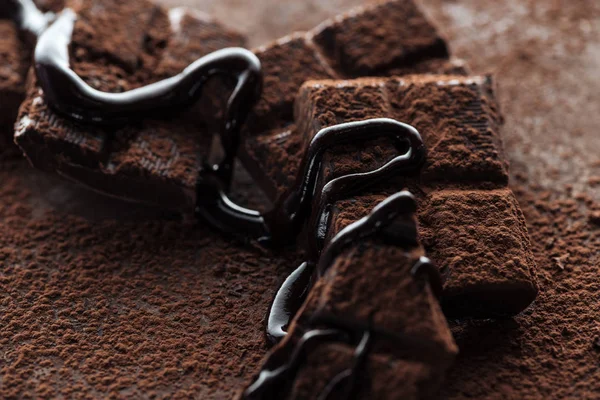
356	289
149	161
544	56
365	41
15	49
475	233
12	70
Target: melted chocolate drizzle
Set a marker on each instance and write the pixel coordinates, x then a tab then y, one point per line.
281	367
383	221
283	223
270	381
26	15
292	208
71	96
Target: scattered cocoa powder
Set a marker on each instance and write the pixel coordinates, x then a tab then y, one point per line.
116	327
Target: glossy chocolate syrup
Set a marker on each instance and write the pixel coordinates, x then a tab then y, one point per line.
275	379
283	223
70	96
26	15
272	380
292	208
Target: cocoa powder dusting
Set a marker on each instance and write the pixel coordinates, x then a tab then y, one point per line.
94	307
101	299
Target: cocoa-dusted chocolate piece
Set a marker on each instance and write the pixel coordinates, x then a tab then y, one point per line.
458	120
373	39
292	60
351	329
15	51
148	161
480	237
12	74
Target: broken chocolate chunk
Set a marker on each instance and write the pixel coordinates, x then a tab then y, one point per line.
368	312
16	47
489	262
292	60
149	161
12	71
371	40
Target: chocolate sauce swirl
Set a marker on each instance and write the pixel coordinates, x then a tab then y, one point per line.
71	96
275	379
283	222
26	15
292	209
380	222
390	220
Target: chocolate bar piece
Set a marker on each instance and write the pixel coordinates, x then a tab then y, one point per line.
12	71
373	39
471	224
150	161
368	292
386	38
15	52
145	49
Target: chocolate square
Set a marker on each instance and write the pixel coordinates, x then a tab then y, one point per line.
373	39
480	238
459	121
12	69
308	56
150	161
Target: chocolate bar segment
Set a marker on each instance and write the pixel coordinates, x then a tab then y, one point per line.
371	40
12	70
480	237
457	117
193	35
458	120
117	33
369	291
16	47
287	64
292	60
150	161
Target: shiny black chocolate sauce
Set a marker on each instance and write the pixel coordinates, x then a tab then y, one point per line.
26	15
273	381
282	224
279	371
70	96
294	207
383	221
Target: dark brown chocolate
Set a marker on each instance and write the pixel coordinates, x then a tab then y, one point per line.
20	21
12	72
150	161
286	66
488	259
72	97
409	44
352	305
